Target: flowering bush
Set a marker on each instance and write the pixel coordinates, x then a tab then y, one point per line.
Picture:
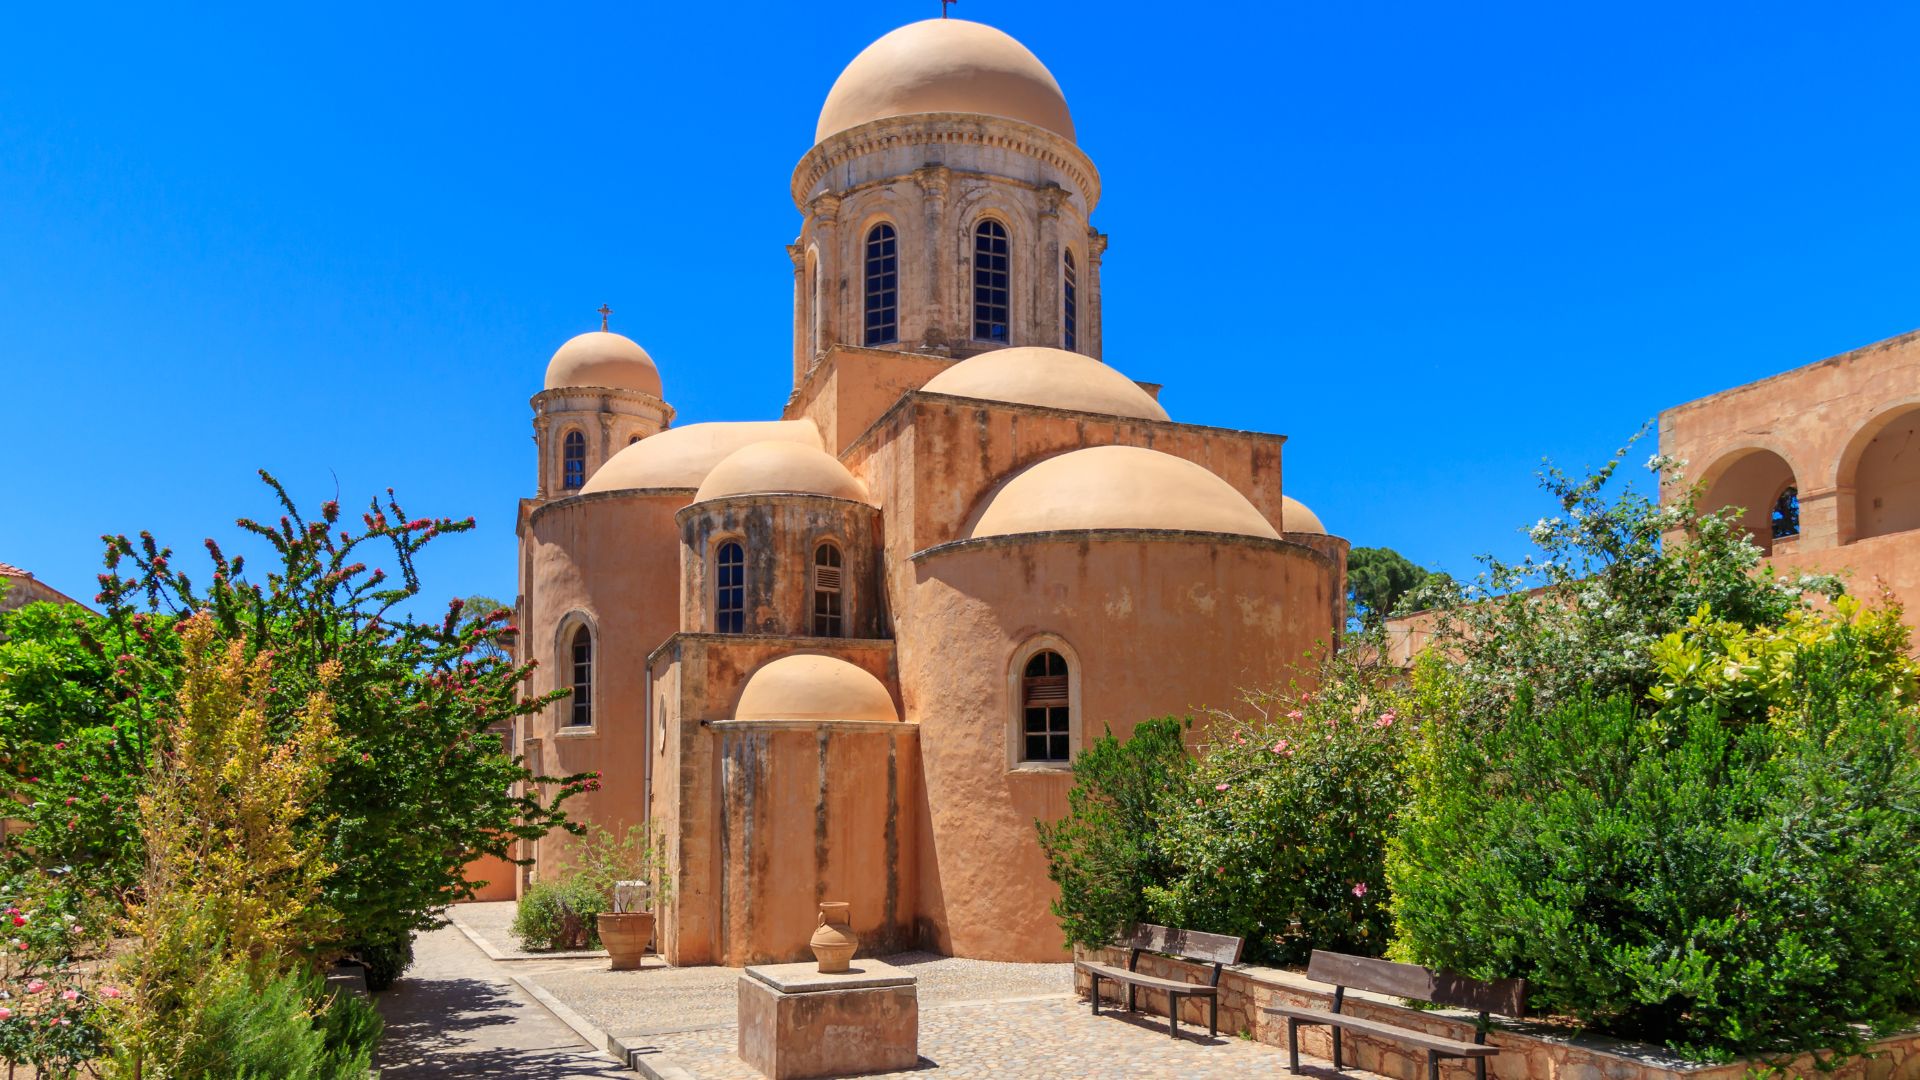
1283	835
49	995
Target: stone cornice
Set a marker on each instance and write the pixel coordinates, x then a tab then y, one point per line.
958	128
1081	537
605	394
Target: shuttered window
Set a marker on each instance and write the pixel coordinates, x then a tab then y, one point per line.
827	592
1046	715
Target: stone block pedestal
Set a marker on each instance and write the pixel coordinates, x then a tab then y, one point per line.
797	1023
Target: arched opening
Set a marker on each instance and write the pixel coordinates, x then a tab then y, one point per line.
730	588
816	332
992	282
573	458
883	286
581	648
1046	709
827	594
1069	303
1885	474
1761	484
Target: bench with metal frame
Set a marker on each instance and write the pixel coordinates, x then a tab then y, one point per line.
1507	997
1215	949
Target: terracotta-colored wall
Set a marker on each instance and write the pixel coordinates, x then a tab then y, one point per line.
853	387
1155	624
616	559
780	534
809	812
501	877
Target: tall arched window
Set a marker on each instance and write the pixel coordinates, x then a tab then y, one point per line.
582	649
1046	712
1069	303
574	461
992	286
730	588
826	591
883	286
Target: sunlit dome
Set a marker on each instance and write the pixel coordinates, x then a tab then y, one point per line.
1116	487
1054	378
599	358
682	457
813	687
945	65
1296	518
765	468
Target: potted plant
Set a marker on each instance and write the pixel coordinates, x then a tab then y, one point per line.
628	867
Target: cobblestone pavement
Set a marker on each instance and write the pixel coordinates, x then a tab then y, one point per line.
1054	1038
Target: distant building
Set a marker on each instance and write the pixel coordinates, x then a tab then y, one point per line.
851	653
22	588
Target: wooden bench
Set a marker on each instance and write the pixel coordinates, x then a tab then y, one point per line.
1508	997
1215	949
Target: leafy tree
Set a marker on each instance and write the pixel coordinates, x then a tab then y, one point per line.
1377	579
480	607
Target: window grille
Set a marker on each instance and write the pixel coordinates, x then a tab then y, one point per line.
582	677
883	286
730	589
1045	710
992	289
1070	304
575	461
826	591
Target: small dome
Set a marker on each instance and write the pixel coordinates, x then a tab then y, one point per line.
681	457
1054	378
1116	487
770	468
813	687
945	65
1295	516
598	358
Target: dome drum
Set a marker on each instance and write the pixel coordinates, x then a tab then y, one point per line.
800	565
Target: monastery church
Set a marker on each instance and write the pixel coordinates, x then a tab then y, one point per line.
850	653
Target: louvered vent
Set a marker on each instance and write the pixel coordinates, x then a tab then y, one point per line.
1046	690
826	577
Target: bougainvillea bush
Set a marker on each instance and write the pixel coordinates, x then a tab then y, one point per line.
1727	865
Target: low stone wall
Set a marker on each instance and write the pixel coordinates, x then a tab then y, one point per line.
1529	1051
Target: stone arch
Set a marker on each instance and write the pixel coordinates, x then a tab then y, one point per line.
571	625
1015	705
1760	481
1881	467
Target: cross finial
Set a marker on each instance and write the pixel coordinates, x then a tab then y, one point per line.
604	312
943	6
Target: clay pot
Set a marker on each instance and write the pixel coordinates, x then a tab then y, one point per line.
833	941
625	934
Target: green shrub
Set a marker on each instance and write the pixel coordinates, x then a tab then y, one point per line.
1102	853
245	1027
385	960
1282	839
1730	873
560	914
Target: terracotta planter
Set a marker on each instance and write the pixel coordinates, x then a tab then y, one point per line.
625	934
833	941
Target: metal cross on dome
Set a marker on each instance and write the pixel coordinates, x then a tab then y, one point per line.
943	6
604	312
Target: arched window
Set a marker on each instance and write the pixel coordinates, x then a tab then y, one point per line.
574	461
883	286
826	591
992	287
582	649
634	439
1786	513
730	588
1069	304
1046	712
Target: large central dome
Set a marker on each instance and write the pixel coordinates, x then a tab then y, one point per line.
945	65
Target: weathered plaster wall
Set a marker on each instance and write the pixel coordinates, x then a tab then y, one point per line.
1152	624
853	387
780	534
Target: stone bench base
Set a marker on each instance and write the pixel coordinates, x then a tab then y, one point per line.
797	1023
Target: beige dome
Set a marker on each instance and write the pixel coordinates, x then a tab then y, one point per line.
1116	487
598	358
1055	378
1295	516
681	457
945	65
813	687
765	468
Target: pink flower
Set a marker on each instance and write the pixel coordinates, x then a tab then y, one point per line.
1200	801
1387	719
19	920
71	800
59	746
1360	889
34	986
6	1013
1219	787
70	995
109	991
1280	747
1294	715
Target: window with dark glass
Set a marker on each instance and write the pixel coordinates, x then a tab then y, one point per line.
1044	708
883	286
826	591
582	676
992	289
1786	513
730	588
1069	304
574	459
634	439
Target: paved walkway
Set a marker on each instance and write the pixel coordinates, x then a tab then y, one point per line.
456	1013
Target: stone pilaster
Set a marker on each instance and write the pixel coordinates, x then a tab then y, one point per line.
1090	334
936	287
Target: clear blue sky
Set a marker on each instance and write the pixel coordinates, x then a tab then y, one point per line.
1432	243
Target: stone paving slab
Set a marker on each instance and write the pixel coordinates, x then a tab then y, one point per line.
489	924
1053	1038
